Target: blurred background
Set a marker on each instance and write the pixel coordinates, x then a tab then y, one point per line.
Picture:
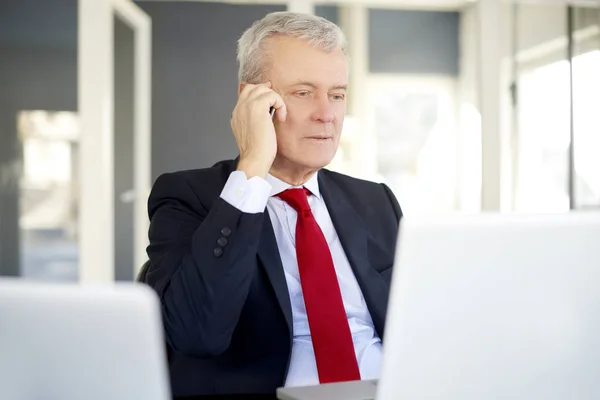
458	105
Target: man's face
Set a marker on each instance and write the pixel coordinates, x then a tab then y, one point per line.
313	85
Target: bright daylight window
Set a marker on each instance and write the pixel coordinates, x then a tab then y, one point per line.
544	126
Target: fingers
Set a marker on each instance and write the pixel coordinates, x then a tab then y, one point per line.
280	108
264	97
251	91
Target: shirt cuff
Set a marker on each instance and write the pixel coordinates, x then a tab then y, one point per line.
247	195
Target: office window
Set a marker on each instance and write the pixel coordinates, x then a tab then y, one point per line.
543	144
556	44
48	195
586	126
414	128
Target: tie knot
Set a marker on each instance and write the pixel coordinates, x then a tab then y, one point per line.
296	198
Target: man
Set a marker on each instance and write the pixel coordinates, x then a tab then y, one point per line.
271	270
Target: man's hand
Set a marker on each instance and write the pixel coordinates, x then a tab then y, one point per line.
254	130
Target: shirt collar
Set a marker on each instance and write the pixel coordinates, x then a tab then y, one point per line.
278	186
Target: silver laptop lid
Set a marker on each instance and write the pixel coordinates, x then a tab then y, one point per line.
494	307
80	342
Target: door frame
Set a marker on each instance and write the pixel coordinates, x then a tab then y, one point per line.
96	105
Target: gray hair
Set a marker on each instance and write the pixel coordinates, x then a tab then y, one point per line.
318	31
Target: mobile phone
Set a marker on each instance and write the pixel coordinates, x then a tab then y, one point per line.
272	112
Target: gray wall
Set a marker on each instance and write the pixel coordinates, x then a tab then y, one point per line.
421	42
329	12
38	54
194	80
38	70
9	194
123	148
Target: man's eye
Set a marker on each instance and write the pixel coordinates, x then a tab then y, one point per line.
302	94
338	96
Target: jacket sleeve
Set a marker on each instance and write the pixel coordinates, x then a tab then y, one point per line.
201	265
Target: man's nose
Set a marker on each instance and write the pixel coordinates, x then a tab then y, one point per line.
323	110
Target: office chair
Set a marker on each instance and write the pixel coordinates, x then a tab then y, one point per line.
141	277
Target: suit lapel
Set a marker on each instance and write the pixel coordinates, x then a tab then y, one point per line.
353	237
271	260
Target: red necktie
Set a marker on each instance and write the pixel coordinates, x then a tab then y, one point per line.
329	329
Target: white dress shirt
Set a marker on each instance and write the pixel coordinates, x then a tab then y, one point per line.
252	196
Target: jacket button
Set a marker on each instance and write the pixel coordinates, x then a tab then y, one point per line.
218	251
226	232
222	242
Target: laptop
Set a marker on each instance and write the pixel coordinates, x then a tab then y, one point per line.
488	306
73	342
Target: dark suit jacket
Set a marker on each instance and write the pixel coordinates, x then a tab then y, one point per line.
226	308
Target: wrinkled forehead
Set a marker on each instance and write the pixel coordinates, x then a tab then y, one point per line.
292	60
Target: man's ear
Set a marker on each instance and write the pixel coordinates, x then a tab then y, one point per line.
241	87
